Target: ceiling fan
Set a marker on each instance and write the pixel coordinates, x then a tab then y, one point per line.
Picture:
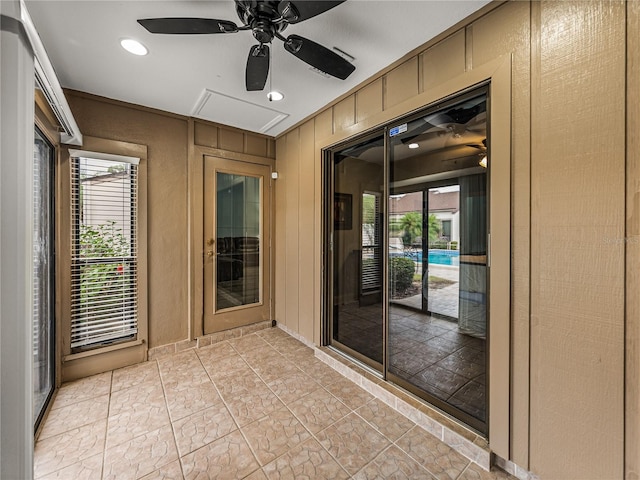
266	20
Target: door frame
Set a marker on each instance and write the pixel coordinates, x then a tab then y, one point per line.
195	181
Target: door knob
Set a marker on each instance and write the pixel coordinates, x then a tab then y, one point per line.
210	253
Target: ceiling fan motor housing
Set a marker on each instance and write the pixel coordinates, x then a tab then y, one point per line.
262	17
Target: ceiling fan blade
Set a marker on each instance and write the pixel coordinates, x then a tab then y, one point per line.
318	56
188	26
257	68
303	10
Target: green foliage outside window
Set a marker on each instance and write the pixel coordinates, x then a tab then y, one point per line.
100	241
401	270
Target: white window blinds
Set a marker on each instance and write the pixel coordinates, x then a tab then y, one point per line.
104	257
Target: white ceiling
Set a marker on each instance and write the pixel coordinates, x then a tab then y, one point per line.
203	75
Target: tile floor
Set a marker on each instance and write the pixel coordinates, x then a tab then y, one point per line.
257	407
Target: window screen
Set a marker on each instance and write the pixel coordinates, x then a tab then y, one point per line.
104	257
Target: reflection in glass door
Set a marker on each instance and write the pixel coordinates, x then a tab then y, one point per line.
442	276
43	275
438	351
357	252
426	329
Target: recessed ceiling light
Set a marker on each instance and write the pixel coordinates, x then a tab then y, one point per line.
414	145
133	46
275	96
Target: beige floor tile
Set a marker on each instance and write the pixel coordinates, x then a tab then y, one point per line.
385	419
227	458
299	354
274	435
475	472
89	468
201	428
132	423
257	475
138	398
318	370
239	384
251	405
186	381
247	343
318	410
74	416
349	393
272	335
227	367
308	460
140	456
288	345
135	375
292	387
214	352
178	362
84	389
264	354
352	442
172	471
274	368
69	448
185	402
393	464
443	462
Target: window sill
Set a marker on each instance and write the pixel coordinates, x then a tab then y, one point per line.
98	351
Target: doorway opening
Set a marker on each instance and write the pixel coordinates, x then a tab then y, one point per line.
408	236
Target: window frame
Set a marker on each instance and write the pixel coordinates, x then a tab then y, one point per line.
95	360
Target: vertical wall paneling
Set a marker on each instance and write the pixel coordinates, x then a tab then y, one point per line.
255	145
281	184
506	31
578	184
401	83
308	233
444	60
632	243
292	155
324	124
205	134
344	113
369	100
232	140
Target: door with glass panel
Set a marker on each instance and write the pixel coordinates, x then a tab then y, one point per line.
235	244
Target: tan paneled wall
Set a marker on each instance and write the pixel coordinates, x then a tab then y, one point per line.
567	414
168	142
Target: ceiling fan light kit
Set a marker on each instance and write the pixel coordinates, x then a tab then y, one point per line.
266	20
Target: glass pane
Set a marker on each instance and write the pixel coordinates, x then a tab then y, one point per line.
43	265
358	173
437	257
238	244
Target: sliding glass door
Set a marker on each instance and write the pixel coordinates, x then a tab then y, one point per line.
413	204
357	176
43	275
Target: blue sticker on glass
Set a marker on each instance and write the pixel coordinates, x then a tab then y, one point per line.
397	130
